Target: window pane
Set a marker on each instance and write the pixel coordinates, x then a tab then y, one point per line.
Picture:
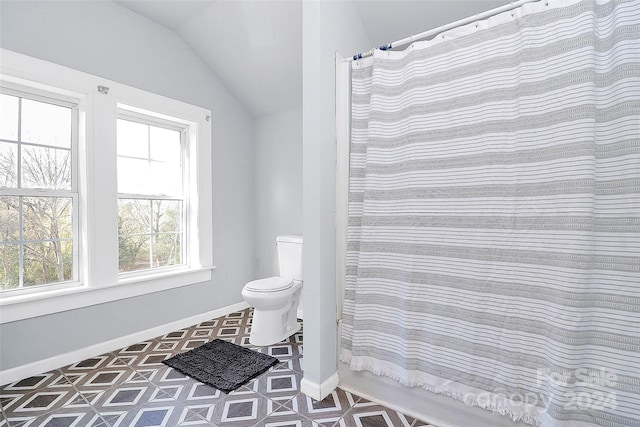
134	216
149	165
8	117
47	262
9	266
165	145
46	124
133	139
133	176
8	165
46	218
133	253
9	220
167	216
166	179
167	249
46	168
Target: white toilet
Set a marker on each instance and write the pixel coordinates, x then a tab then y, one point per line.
275	299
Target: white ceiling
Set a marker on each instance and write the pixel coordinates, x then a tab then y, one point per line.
254	46
171	14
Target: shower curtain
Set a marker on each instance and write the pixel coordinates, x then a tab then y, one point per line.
493	249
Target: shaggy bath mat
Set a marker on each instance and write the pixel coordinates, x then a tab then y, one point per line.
221	364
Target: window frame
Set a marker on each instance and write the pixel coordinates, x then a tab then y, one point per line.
40	95
99	101
150	120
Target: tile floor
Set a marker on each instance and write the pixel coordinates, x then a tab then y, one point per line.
132	387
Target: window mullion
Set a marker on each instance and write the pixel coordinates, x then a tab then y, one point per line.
100	224
20	245
151	234
149	196
75	228
150	201
36	192
19	186
19	157
75	238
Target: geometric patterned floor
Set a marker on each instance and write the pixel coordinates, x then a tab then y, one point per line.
132	387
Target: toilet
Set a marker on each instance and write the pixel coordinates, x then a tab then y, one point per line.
275	299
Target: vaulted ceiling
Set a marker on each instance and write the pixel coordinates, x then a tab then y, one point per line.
255	46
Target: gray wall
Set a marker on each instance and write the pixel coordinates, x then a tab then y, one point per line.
278	184
327	27
102	38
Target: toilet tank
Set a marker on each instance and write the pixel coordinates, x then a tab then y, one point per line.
290	256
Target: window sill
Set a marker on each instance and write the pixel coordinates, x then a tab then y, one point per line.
21	307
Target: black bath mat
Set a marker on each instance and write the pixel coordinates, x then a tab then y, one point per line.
221	364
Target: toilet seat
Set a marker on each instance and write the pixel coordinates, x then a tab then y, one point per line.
270	284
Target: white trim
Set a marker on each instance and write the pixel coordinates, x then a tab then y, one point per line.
319	391
54	301
25	371
343	140
98	277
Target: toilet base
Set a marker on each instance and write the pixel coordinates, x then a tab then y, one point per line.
261	340
272	326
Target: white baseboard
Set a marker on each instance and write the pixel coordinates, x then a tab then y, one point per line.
25	371
319	391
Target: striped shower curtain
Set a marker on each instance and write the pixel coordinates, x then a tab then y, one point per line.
494	214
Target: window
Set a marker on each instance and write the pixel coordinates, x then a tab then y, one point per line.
150	194
38	192
105	190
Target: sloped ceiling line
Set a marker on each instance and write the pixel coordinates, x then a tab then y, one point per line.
254	46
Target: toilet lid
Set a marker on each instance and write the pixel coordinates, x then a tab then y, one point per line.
271	284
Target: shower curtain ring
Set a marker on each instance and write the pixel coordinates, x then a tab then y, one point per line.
442	32
477	18
512	9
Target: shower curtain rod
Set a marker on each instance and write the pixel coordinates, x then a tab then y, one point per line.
407	40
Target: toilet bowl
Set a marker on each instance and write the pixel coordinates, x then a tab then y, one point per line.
275	299
275	305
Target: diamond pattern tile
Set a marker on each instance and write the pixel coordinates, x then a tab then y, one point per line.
37	401
337	403
331	421
150	414
31	383
283	351
376	416
63	417
105	379
280	419
131	387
